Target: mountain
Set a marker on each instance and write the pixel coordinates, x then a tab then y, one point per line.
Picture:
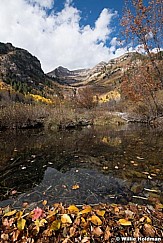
104	77
22	72
72	77
19	65
65	76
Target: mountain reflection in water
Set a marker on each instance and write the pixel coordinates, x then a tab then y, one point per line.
107	164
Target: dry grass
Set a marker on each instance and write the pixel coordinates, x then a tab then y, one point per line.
17	115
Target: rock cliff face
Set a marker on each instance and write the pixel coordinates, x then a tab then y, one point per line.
22	71
19	65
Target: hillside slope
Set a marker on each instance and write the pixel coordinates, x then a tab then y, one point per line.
20	71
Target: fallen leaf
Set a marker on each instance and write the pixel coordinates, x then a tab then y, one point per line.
21	224
85	240
97	231
37	213
52	213
19	214
83	222
124	222
65	219
75	187
148	220
5	237
72	231
86	210
44	202
10	213
137	233
139	157
73	209
148	230
159	206
42	222
95	220
39	223
66	240
25	204
129	213
55	225
15	235
107	234
100	213
142	219
116	210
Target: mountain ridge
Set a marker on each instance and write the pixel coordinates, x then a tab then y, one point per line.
102	78
22	71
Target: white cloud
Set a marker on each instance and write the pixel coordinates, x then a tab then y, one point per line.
41	3
57	39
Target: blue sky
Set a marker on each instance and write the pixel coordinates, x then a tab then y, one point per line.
90	9
70	33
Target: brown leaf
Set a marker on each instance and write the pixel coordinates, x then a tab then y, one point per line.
25	204
129	213
72	231
85	240
137	233
15	235
5	237
116	210
77	221
83	222
148	230
66	240
97	231
107	234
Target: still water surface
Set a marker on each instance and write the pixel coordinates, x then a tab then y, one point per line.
97	164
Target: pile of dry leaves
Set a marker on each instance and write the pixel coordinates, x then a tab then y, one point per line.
84	224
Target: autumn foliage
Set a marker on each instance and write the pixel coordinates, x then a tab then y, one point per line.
86	98
84	224
143	26
140	84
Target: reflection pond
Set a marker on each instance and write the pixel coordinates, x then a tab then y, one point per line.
92	165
